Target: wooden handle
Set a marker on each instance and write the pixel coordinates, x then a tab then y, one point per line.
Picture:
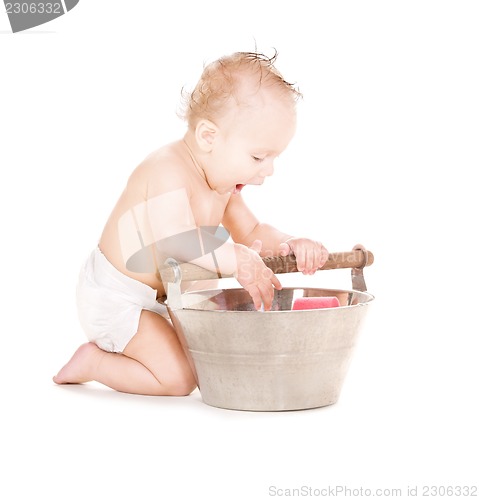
278	264
338	260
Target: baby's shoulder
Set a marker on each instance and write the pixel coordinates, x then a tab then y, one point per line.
162	167
166	157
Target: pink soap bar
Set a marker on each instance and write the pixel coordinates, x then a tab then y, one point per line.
315	303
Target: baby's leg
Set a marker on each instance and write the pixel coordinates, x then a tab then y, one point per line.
152	363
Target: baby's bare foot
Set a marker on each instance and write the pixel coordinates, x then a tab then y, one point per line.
79	369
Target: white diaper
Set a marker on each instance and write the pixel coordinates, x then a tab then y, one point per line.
110	303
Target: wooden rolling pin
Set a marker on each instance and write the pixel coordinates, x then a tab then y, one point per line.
340	260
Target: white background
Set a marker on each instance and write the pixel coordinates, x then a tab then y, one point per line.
384	155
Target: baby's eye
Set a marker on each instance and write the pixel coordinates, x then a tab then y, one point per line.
256	158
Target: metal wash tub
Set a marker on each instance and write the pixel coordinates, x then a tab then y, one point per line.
281	359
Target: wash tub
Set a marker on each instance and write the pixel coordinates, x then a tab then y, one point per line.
281	359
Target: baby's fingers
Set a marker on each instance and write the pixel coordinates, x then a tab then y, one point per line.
319	258
302	260
255	294
267	294
311	258
323	255
263	293
275	282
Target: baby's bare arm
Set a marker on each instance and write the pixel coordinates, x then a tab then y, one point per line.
245	228
310	255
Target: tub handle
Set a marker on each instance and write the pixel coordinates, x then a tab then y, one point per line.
357	276
356	259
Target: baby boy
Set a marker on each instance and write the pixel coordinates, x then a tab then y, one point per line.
241	116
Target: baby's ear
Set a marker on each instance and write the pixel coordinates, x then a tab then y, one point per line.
206	132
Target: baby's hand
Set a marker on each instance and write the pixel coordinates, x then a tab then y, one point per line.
253	275
310	255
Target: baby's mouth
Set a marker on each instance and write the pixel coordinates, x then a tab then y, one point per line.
237	189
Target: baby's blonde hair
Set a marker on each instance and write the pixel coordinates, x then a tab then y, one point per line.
221	80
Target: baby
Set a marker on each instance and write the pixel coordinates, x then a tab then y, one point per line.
241	116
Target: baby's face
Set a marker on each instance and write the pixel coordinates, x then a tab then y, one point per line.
248	142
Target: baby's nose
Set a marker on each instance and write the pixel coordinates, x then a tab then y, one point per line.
268	169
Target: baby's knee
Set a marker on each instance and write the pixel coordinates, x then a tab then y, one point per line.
180	383
182	386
